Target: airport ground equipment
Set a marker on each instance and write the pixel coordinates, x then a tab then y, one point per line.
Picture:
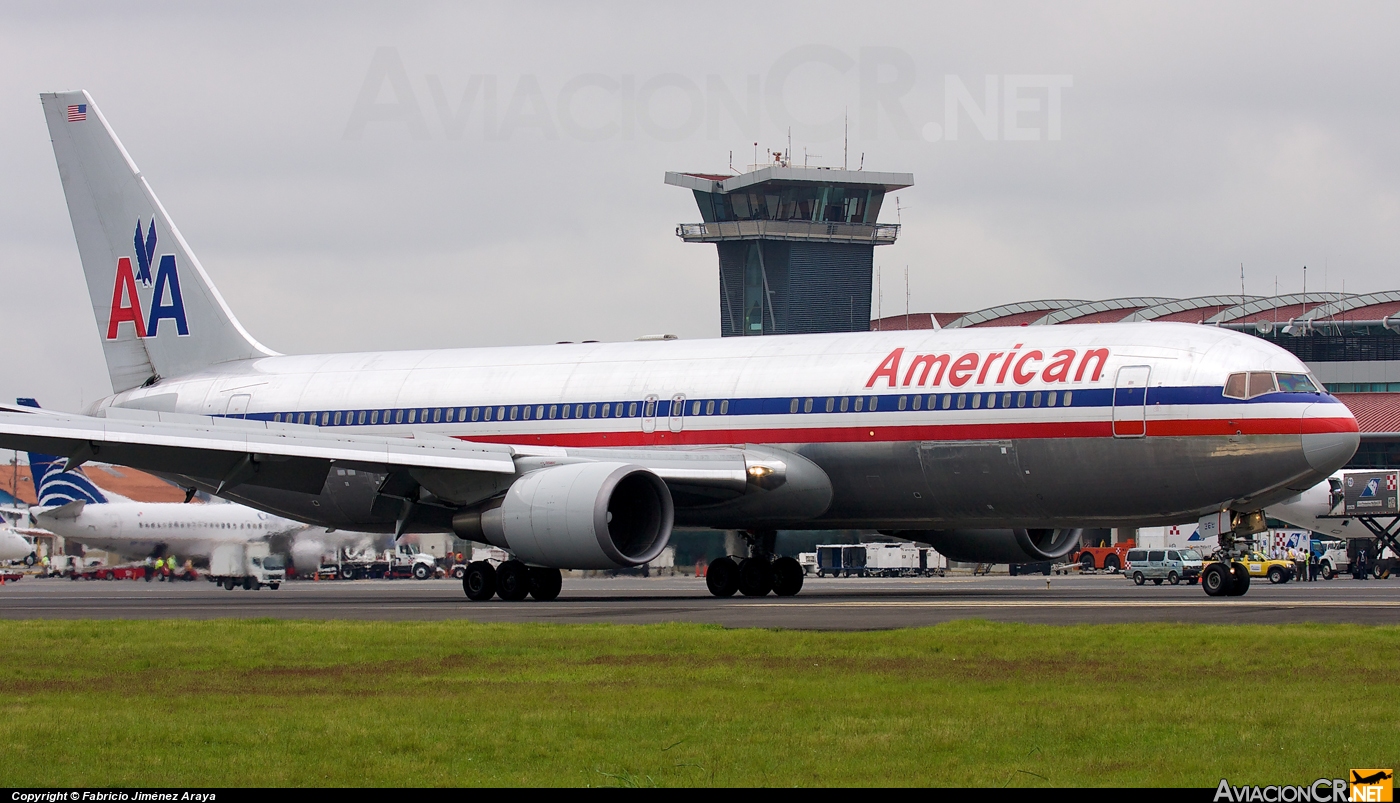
250	565
399	563
126	571
1172	565
1103	558
1044	567
1373	499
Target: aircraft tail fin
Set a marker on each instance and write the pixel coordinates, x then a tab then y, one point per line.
52	485
151	323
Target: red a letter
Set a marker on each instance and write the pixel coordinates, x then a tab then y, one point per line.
1058	371
1100	356
889	369
125	285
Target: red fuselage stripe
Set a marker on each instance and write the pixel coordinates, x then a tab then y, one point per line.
945	432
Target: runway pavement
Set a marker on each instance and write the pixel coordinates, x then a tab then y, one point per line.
844	604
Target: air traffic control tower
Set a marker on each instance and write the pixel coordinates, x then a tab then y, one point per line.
796	244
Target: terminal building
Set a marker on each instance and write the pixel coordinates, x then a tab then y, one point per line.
1351	343
796	244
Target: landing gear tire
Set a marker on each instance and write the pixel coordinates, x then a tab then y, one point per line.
722	577
787	577
545	583
1241	586
1276	575
512	581
1217	580
479	581
755	577
421	571
1173	578
1138	579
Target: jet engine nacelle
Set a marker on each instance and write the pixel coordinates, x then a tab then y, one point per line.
579	516
1003	546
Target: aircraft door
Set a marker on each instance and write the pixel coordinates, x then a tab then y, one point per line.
649	414
1130	401
678	412
237	405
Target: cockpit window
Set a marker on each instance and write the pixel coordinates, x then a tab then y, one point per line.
1260	382
1235	386
1296	383
1257	383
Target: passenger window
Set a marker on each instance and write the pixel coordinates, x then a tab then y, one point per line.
947	401
1260	382
1296	383
792	408
412	416
592	411
903	401
1235	386
514	411
1035	400
1155	556
276	416
1069	396
962	400
374	417
632	410
501	414
1006	400
859	402
695	408
527	412
917	400
450	413
1020	399
724	406
807	406
607	410
874	401
710	407
1050	400
437	415
539	411
325	419
650	409
578	411
845	402
566	411
976	400
488	413
830	404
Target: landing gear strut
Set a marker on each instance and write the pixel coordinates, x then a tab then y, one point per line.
758	573
1228	576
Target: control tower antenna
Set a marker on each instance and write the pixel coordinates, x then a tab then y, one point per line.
846	138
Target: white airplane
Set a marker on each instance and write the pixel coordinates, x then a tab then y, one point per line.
992	444
14	546
71	505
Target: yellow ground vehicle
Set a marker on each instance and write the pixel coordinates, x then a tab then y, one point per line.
1277	570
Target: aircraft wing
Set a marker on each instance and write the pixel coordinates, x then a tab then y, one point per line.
297	457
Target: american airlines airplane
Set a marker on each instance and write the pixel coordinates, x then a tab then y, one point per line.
992	444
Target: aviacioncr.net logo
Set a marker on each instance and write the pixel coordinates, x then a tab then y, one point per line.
161	294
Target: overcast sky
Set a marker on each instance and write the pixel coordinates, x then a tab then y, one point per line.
424	175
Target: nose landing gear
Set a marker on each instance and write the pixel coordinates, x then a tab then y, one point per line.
1228	576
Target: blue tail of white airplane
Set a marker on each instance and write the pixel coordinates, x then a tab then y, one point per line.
52	485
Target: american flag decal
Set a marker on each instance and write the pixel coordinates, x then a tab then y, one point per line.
77	113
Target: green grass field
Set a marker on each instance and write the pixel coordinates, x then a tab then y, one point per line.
971	703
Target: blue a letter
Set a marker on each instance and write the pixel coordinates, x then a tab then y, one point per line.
166	275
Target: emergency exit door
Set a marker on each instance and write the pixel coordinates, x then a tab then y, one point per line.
1130	401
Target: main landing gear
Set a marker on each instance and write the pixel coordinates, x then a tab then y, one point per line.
757	574
511	581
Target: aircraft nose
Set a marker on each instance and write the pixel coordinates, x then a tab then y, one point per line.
1330	436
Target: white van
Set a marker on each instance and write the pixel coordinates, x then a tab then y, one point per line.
1172	565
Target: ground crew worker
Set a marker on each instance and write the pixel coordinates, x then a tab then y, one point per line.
1312	566
170	565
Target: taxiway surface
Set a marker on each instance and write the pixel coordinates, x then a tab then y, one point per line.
844	604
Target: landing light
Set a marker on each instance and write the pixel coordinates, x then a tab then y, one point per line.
759	472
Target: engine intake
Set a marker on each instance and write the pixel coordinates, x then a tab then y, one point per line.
1002	546
579	516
